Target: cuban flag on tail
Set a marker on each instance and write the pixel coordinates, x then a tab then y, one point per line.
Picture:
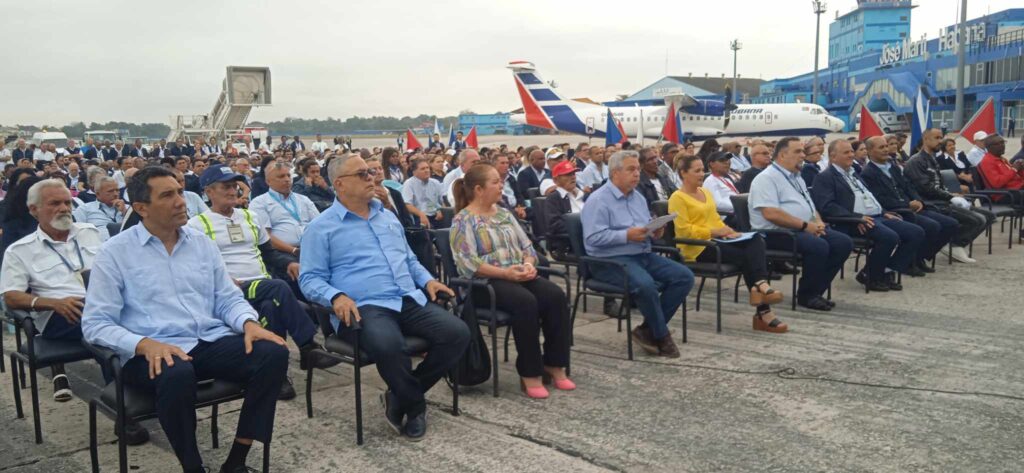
672	131
451	135
922	120
614	133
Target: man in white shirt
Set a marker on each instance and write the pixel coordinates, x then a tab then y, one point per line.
974	155
318	146
45	153
554	157
467	158
424	193
106	209
596	172
719	182
285	214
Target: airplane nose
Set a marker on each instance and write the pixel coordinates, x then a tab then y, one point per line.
838	125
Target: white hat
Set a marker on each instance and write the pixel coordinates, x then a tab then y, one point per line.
980	135
450	152
553	153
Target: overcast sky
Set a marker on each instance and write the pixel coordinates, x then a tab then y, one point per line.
143	60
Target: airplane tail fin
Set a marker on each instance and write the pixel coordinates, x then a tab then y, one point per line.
543	107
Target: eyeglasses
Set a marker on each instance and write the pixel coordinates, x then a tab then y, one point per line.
364	174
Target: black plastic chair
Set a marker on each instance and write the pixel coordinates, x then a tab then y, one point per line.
37	353
532	192
338	348
123	404
952	184
1005	204
540	232
447	214
716	270
113	228
791	256
488	316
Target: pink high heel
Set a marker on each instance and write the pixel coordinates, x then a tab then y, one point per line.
539	392
560	384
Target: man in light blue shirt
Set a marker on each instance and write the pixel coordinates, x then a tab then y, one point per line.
106	209
355	259
779	200
424	193
596	171
161	297
286	213
613	227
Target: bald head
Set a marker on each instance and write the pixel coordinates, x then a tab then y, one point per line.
878	149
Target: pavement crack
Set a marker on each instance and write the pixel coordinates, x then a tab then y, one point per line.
37	460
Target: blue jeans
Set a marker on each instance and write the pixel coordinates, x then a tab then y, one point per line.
822	258
382	338
647	272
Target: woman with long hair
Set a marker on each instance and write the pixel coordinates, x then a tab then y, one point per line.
437	167
488	242
707	149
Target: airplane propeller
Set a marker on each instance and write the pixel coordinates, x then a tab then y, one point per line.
728	108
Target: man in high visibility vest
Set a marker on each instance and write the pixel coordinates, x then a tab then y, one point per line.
245	246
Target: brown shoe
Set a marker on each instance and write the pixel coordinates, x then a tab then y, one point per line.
767	322
667	347
642	336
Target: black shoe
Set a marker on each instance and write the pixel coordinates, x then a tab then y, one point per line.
416	427
925	267
893	285
816	303
862	276
914	271
878	286
611	309
134	434
313	354
784	268
287	390
61	388
391	413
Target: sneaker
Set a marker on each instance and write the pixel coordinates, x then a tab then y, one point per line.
667	347
287	390
391	413
61	388
960	255
134	434
642	336
416	427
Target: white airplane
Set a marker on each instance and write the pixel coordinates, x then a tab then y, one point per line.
543	107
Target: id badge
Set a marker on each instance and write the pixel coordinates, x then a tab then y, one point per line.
235	233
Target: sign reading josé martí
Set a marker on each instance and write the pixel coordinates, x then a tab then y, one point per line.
948	40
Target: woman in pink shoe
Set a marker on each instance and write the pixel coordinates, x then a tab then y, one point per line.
488	242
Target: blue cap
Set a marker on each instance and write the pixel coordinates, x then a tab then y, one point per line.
218	173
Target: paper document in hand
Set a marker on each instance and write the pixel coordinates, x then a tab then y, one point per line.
743	237
659	222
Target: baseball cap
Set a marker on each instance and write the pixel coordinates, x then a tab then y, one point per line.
218	173
563	168
980	135
719	156
553	153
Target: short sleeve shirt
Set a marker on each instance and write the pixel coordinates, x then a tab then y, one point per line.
238	238
781	189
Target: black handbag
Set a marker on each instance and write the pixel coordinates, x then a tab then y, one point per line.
475	366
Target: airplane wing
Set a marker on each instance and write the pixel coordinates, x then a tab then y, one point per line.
681	100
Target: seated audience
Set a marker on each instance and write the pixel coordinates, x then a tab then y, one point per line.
760	158
719	182
996	171
107	208
312	185
653	185
424	193
284	212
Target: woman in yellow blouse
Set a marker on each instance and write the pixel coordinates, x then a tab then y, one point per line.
698	220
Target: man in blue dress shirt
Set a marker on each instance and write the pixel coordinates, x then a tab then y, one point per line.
613	227
161	297
356	260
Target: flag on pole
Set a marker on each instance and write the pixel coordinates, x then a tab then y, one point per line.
471	139
640	131
430	139
922	120
613	131
451	135
868	126
411	143
672	131
983	120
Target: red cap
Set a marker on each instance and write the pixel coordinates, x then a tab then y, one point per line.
563	168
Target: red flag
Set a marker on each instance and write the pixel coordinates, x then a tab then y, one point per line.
670	132
410	140
868	126
983	120
471	139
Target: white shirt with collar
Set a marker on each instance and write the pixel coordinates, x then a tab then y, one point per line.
43	156
864	201
318	146
449	179
275	211
720	190
575	200
31	263
974	155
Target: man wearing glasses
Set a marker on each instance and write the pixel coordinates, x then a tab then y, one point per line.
356	260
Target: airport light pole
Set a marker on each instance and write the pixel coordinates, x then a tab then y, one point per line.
961	59
819	8
735	45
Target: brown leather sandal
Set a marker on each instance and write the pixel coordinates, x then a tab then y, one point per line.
767	322
757	297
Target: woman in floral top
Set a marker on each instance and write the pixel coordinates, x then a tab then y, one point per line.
488	242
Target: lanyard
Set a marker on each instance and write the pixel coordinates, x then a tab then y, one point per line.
104	212
293	210
81	262
854	184
789	179
728	184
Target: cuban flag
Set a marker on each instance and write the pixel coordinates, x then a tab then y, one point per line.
922	120
614	133
451	135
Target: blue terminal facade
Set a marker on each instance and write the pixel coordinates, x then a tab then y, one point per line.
874	62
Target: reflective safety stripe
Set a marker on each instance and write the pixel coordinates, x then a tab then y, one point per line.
207	226
255	240
252	288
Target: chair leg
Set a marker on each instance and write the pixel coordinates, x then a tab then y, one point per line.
793	299
508	332
93	453
700	289
309	393
718	304
572	319
15	376
122	445
3	365
494	356
213	427
629	325
684	320
455	392
736	291
36	421
358	386
266	457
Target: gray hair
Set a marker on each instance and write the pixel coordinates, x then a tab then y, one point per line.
93	173
278	165
334	169
98	181
615	162
35	192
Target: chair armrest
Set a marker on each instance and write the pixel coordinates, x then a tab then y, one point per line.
691	241
621	267
479	283
787	233
670	251
551	271
847	220
106	357
19	316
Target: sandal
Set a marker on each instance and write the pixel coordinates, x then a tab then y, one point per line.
766	321
768	296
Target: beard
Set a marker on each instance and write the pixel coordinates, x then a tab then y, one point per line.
62	222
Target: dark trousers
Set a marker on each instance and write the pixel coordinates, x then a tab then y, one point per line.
58	328
938	230
895	244
972	222
382	338
279	310
748	255
535	306
262	372
647	272
822	258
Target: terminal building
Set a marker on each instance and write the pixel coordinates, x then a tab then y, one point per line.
874	62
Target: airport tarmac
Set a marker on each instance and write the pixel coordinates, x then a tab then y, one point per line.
924	380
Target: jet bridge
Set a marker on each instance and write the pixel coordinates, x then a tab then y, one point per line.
243	88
